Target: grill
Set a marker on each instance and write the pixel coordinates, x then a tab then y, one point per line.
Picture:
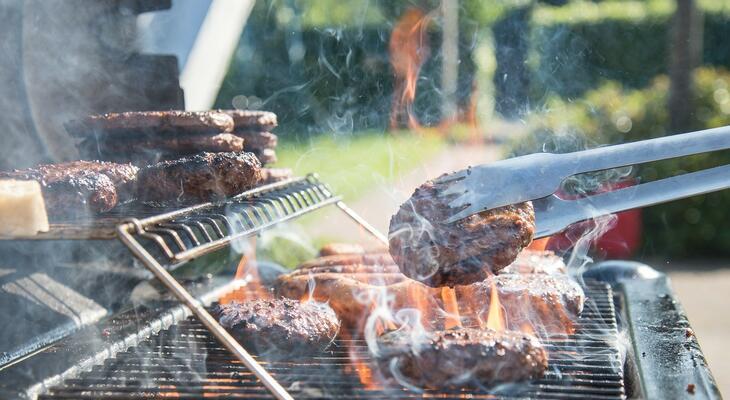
185	361
631	340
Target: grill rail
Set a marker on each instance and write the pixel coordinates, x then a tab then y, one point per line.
185	361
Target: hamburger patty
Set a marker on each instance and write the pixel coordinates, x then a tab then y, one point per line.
280	324
266	156
251	120
150	148
549	303
349	249
428	249
80	186
258	140
151	123
199	178
536	262
351	284
461	357
332	249
273	175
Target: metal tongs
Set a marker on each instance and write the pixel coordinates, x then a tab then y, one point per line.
537	177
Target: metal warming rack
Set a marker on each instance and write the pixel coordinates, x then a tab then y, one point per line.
165	241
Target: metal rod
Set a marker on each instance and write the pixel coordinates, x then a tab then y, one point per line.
221	243
199	311
361	221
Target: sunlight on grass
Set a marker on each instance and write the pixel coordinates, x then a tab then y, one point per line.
354	164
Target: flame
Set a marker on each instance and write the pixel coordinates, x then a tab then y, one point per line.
419	299
451	306
527	328
495	317
248	270
172	394
363	371
408	49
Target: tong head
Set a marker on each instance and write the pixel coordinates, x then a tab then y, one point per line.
510	181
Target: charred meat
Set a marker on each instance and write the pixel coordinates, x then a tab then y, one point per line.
437	253
332	249
151	123
199	178
345	249
549	303
258	140
351	284
462	357
536	262
280	324
273	175
266	156
80	186
152	149
251	120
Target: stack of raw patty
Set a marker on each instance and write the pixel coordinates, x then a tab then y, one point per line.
151	136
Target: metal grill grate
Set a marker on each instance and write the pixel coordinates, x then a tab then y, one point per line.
185	234
186	362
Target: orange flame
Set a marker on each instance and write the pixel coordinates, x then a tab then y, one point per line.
495	317
451	306
419	298
527	328
408	49
247	269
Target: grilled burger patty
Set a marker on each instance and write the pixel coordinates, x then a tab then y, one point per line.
199	178
332	249
179	145
455	358
280	324
428	249
258	140
80	186
273	175
266	156
536	262
549	303
350	283
251	120
345	249
136	123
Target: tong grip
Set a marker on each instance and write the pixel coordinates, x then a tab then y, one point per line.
644	151
553	214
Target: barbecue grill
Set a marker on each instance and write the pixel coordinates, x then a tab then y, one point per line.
632	340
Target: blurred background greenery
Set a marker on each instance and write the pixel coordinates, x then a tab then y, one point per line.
564	74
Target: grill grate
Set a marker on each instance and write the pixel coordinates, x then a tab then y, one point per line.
185	234
186	362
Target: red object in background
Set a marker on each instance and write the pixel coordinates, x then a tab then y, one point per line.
622	240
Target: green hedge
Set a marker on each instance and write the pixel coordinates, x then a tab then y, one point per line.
612	114
575	47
